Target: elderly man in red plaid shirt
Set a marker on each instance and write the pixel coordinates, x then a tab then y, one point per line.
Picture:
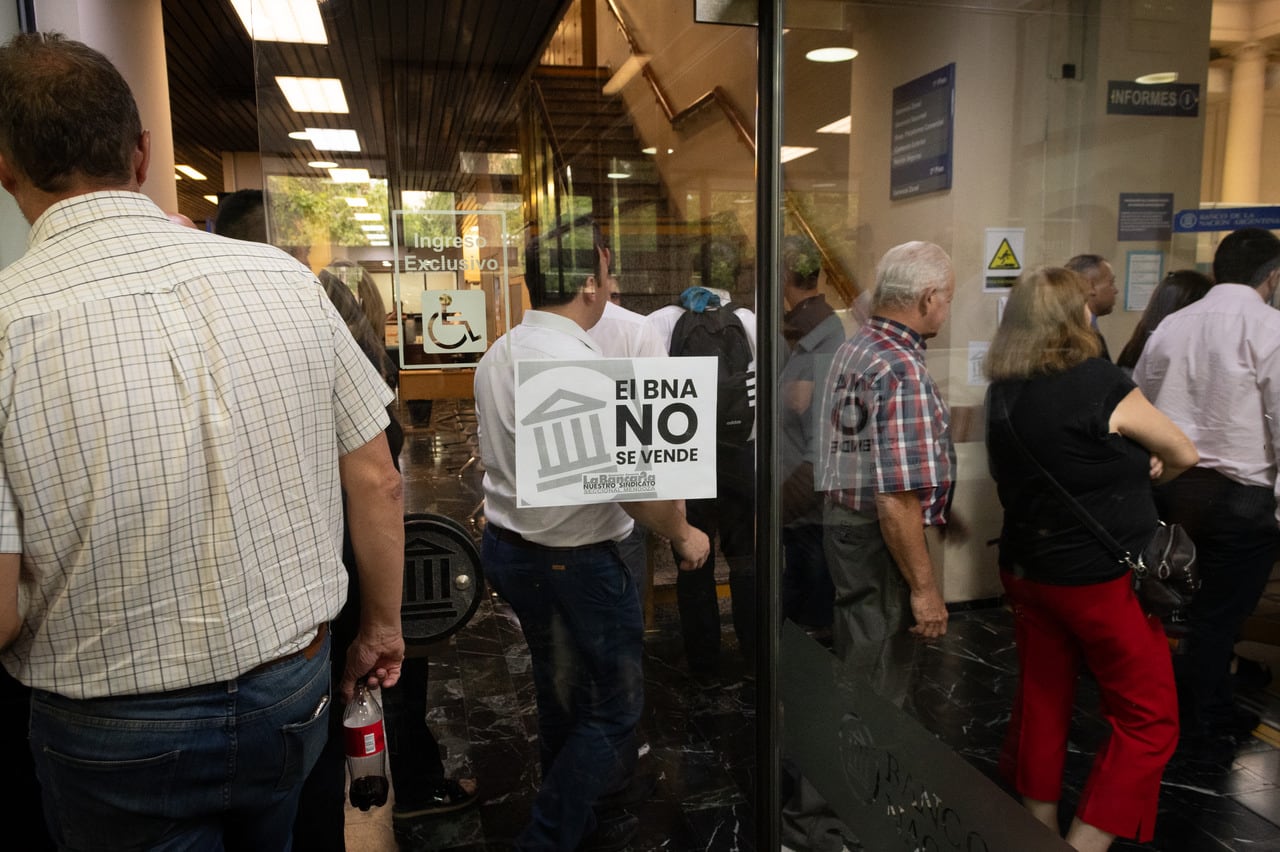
887	464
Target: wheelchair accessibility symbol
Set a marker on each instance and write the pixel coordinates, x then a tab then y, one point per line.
451	329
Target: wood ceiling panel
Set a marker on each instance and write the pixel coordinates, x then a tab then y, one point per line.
424	80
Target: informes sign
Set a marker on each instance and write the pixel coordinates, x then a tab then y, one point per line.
1144	216
1125	97
923	128
453	321
615	430
1226	219
1003	250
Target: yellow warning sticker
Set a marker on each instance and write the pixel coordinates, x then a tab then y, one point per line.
1004	257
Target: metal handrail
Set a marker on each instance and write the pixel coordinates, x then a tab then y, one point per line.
836	275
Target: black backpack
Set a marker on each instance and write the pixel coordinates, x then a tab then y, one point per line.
719	333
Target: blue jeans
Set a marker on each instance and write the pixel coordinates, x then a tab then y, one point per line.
206	768
580	613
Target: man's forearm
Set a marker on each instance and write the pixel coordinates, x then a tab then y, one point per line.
902	525
375	519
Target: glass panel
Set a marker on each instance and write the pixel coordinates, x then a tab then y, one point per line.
1010	135
480	127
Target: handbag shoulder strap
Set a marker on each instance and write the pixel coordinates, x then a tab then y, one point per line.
1090	522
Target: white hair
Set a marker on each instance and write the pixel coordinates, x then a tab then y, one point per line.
907	271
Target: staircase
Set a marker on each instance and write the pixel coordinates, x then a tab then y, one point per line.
654	252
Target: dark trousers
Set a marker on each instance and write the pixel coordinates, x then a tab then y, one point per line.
579	610
729	517
808	596
1237	544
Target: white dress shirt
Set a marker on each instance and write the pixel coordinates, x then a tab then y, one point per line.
1214	369
540	334
621	333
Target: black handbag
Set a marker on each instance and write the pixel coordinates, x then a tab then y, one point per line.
1165	574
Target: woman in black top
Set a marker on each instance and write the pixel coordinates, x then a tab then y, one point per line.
1085	423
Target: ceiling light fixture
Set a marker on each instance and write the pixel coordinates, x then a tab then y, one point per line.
794	152
356	200
314	94
831	54
212	199
840	125
618	175
349	175
330	139
322	164
367	217
386	263
367	228
1158	78
191	173
649	150
293	21
300	134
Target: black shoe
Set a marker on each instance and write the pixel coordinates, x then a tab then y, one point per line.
445	798
639	789
611	835
1242	724
1206	750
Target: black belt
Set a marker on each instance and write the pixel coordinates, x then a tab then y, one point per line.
512	537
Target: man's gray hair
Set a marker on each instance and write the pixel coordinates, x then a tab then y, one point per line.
907	271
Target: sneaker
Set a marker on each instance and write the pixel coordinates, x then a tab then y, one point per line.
611	835
447	797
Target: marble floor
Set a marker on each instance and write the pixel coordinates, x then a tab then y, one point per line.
699	737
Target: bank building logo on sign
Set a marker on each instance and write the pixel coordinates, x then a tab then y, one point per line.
568	432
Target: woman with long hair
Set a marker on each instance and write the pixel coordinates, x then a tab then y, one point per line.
1178	289
1055	407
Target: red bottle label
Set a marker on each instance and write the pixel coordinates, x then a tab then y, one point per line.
364	742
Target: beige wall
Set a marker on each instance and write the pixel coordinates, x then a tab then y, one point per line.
1032	150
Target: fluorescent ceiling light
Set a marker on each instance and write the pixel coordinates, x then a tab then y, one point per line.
212	199
326	139
386	263
177	176
367	217
313	94
356	200
650	150
623	75
794	152
618	175
1157	78
840	125
299	134
191	173
380	243
373	227
349	175
831	54
294	21
322	164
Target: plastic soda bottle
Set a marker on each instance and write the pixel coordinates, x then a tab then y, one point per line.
366	746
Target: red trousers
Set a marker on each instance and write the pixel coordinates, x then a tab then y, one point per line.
1103	626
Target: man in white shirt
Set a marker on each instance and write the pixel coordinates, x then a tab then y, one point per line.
560	568
1214	369
179	413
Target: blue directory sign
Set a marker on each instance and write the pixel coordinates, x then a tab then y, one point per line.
1226	219
1125	97
923	128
